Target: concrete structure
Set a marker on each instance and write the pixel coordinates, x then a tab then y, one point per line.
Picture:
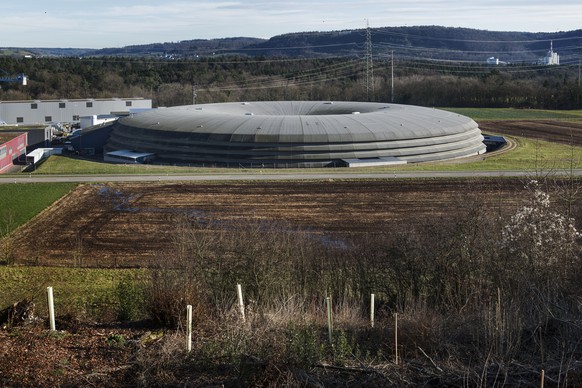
90	121
40	154
551	58
34	112
294	134
128	157
12	147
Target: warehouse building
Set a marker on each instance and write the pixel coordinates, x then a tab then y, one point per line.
35	112
12	148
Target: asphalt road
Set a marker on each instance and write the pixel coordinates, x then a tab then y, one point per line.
258	176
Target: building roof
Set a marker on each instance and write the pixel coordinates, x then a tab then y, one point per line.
298	132
305	121
6	136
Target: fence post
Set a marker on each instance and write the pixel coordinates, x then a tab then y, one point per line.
372	310
329	320
241	305
51	308
396	338
189	328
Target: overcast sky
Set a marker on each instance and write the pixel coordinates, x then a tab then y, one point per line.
109	23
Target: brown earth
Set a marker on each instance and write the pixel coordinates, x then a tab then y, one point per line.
129	224
564	132
33	356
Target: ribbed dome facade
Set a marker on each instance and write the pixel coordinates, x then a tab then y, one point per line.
297	133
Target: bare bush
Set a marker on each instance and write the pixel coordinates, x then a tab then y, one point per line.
473	292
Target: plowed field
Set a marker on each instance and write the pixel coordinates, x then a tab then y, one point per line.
131	224
565	132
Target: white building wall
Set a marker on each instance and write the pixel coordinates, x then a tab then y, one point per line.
66	111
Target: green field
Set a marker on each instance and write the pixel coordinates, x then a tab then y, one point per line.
19	202
57	164
483	114
81	289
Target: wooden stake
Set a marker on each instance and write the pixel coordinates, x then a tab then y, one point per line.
329	320
543	378
396	338
189	328
241	305
372	310
51	308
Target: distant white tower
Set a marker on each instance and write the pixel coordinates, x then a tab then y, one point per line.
552	58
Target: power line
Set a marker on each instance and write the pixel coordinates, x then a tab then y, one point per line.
369	64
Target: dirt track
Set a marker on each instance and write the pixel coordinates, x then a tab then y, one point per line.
130	224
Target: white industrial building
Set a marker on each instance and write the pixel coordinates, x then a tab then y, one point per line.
495	61
41	112
551	58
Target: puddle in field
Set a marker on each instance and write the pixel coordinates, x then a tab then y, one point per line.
122	202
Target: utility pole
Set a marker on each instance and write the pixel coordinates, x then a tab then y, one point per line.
392	76
369	63
579	61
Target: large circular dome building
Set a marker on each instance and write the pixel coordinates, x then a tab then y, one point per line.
298	134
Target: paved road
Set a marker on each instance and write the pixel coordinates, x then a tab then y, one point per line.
255	175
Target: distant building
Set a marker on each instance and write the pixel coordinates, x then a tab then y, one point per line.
42	112
12	147
495	61
551	58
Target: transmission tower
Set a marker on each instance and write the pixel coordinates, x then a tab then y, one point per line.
369	65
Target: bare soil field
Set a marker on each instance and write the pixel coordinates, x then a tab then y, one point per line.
130	224
564	132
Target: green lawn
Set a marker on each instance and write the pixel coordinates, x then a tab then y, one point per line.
530	154
58	164
88	290
19	202
484	114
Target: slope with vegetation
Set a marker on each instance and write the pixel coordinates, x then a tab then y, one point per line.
487	294
432	66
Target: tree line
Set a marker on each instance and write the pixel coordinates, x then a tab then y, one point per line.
225	79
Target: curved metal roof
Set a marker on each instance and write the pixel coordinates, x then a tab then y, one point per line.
298	132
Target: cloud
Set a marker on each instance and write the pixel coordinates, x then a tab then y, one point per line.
84	23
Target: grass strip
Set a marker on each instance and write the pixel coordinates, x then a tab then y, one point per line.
91	291
20	202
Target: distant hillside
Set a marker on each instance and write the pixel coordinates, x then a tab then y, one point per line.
184	48
417	42
43	52
430	42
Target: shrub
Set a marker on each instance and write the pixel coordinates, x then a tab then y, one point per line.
130	298
304	347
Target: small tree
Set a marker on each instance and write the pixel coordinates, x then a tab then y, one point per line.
537	235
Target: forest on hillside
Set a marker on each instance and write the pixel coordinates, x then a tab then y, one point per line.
236	78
